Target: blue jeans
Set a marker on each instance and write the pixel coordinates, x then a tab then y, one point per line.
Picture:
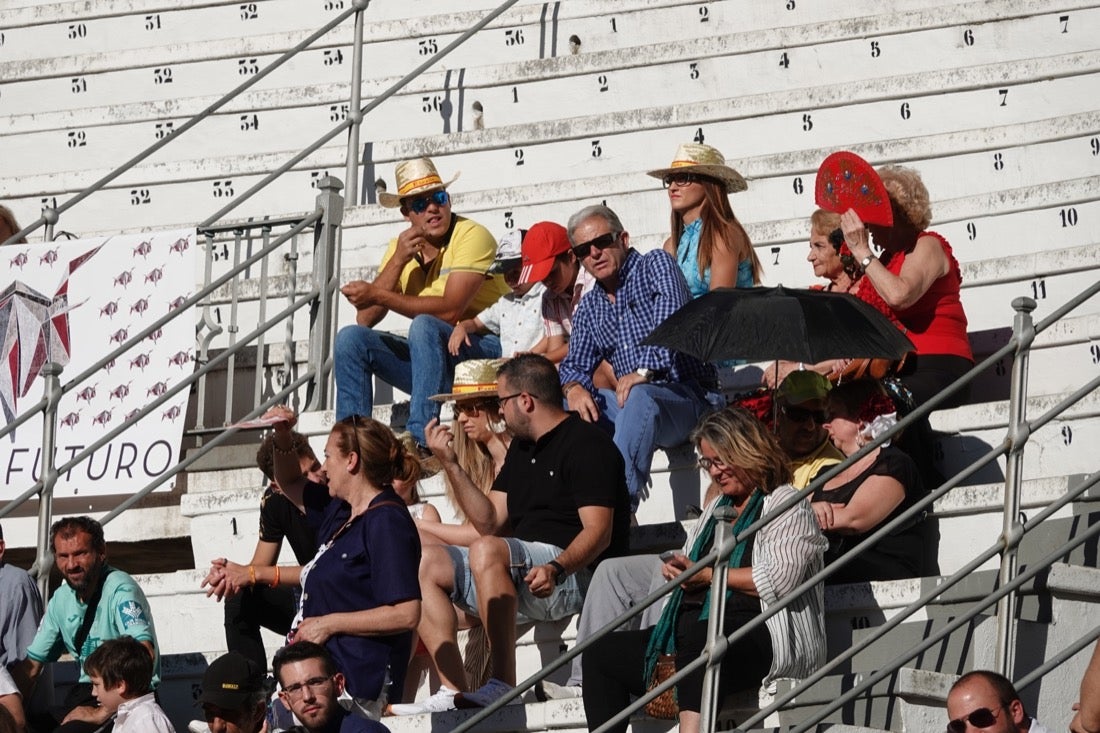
659	415
419	365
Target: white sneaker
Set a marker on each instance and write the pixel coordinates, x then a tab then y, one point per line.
547	690
441	701
485	695
198	726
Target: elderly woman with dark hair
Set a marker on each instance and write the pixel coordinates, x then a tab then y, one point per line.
751	471
832	260
870	492
829	256
916	283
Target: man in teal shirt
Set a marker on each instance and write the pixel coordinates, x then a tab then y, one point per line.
95	603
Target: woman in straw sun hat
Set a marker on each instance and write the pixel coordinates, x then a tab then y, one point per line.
480	440
478	436
707	240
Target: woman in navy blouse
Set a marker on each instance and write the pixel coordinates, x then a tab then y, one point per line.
360	594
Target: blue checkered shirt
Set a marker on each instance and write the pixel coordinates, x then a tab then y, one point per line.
651	288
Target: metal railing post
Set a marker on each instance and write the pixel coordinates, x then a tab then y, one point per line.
355	112
50	216
322	327
51	373
716	637
1018	433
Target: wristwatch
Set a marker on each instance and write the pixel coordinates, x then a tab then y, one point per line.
646	374
866	261
559	570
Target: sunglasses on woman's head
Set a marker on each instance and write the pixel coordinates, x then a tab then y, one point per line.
353	421
601	242
680	179
980	718
420	204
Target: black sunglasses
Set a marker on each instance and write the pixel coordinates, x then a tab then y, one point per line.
474	407
980	718
801	414
601	242
420	204
680	179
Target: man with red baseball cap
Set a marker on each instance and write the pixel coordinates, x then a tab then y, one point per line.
548	258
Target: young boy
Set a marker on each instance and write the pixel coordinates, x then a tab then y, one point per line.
121	671
516	318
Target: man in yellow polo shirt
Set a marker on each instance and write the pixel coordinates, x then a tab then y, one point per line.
436	273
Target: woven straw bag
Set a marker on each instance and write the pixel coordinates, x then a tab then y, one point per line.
663	706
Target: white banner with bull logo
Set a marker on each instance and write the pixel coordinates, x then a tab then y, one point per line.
73	303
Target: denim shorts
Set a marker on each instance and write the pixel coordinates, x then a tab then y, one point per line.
566	600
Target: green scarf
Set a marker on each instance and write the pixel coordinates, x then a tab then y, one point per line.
663	639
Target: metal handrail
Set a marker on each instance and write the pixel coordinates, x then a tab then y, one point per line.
50	216
320	298
1016	343
711	558
1019	430
355	118
160	322
171	392
933	639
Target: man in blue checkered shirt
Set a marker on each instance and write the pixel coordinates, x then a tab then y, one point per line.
661	393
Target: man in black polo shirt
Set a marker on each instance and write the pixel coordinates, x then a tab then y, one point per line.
558	506
292	508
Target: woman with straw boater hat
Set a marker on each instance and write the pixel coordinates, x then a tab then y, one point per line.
480	440
707	240
434	272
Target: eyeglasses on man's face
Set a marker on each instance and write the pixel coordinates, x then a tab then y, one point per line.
420	204
680	179
502	400
980	718
601	242
299	688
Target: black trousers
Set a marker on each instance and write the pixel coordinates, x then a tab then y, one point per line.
78	695
614	667
255	607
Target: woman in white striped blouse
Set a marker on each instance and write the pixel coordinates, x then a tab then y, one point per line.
753	475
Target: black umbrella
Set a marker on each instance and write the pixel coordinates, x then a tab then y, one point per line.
760	324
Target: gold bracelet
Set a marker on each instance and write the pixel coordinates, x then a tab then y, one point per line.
275	582
282	451
251	575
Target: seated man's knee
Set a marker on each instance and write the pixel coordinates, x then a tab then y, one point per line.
425	325
348	339
488	554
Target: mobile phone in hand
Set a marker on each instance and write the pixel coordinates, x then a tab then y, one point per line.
668	555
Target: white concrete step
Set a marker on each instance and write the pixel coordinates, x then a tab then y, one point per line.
445	102
542	162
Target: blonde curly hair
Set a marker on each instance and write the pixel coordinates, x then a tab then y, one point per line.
908	193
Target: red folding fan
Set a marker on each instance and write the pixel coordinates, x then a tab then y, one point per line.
847	181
